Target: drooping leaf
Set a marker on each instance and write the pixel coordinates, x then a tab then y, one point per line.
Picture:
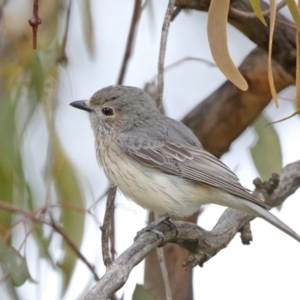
13	264
294	10
266	153
297	112
217	37
270	72
140	293
257	9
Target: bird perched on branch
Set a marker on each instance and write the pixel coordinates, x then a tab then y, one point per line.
158	162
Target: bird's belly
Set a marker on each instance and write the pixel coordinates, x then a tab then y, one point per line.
157	191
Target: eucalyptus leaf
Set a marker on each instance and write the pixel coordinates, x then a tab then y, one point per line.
140	293
257	9
13	264
266	153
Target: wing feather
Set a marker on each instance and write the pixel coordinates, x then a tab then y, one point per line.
190	162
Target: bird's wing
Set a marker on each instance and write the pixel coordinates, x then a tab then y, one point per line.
190	162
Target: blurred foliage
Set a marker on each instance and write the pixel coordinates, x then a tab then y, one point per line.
140	293
13	264
28	84
266	153
257	9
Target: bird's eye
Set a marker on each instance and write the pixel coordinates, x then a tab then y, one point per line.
107	111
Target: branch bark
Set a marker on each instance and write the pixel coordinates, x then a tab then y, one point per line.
201	244
284	41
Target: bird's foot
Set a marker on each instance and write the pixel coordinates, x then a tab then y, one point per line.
151	227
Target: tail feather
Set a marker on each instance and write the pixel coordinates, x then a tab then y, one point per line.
254	209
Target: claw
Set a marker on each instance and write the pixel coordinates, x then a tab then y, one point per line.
151	227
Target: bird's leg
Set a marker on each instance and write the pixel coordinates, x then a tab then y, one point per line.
151	227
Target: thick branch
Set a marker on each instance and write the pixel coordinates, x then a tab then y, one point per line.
219	119
284	41
201	244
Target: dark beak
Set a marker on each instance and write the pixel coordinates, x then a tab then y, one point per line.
81	105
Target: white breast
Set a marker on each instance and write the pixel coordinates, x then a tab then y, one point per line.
149	187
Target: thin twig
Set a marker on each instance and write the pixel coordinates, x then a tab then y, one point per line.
112	235
164	272
130	40
162	50
106	225
201	244
100	198
236	12
293	26
62	57
39	219
163	268
182	60
35	21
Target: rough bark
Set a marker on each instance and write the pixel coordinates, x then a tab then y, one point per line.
201	245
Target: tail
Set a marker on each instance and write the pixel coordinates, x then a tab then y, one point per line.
254	209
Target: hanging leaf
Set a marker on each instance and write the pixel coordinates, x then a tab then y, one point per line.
257	9
270	72
266	153
13	264
140	293
217	37
294	10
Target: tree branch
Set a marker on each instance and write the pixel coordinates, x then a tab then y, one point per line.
137	9
284	40
109	212
201	244
162	51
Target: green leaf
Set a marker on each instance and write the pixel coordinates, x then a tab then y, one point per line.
7	157
37	76
266	153
257	9
297	112
68	192
13	264
294	12
140	293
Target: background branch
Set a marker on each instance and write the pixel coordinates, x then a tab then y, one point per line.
137	9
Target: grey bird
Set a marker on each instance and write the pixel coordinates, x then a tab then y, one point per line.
158	162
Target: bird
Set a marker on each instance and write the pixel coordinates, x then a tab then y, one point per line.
159	163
